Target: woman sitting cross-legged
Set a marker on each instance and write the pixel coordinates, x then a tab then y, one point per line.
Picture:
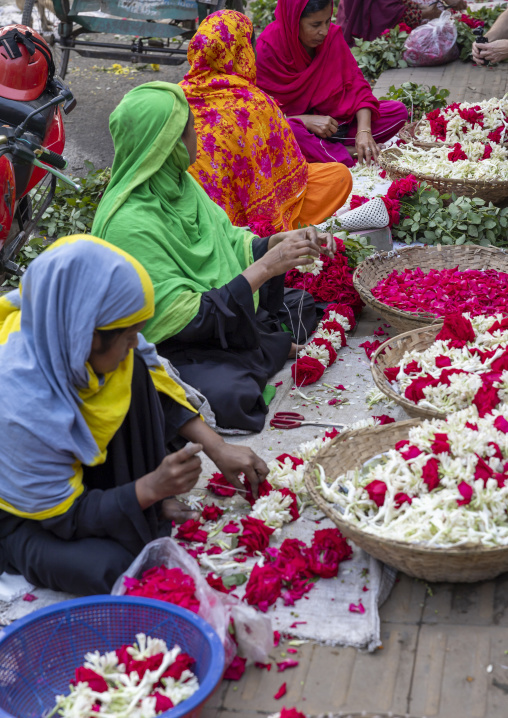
87	412
219	290
304	62
248	159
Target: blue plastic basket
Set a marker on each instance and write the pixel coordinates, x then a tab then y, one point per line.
38	654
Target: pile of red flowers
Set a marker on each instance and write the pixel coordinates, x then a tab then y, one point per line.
165	584
470	21
334	283
290	571
405	187
445	291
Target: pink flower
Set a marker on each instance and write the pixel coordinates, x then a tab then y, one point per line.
357	608
281	692
243	118
236	669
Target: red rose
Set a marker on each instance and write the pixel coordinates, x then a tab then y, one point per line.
486	399
236	669
263	587
457	153
487	151
307	370
442	361
414	392
495	135
404	187
376	491
411	452
401	498
357	201
438	124
393	208
482	470
343	309
255	536
219	485
430	474
499	325
400	444
329	348
466	491
264	488
94	680
458	329
191	531
412	368
402	28
331	325
328	549
499	364
211	512
183	662
440	445
391	373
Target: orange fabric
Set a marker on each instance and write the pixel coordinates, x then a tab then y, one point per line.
248	159
328	187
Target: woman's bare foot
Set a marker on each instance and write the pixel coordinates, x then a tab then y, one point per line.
177	511
295	348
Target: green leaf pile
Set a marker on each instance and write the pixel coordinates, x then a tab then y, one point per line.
419	99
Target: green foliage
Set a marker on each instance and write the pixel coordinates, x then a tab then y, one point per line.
357	247
465	35
29	252
419	99
73	212
383	53
425	217
262	13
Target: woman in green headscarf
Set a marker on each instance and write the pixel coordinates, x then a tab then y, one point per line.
219	290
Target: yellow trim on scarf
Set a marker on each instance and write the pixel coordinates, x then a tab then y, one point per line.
10	319
76	482
166	385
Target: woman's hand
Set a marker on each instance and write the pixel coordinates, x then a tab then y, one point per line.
176	474
320	125
495	51
234	460
294	250
366	147
323	238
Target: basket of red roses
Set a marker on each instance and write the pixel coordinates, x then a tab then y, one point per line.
437	370
391	491
417	286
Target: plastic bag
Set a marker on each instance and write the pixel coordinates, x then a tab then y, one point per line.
432	44
254	633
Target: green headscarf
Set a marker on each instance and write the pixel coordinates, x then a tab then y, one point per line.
154	210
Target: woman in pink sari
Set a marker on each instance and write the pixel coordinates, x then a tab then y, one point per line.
304	62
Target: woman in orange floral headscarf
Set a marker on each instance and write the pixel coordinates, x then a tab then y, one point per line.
248	159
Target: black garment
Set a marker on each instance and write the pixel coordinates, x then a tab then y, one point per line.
85	549
229	351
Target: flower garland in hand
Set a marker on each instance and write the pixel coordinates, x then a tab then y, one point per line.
466	365
321	352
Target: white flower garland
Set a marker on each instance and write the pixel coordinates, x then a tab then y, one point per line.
127	694
273	509
435	517
462	388
458	129
435	161
316	351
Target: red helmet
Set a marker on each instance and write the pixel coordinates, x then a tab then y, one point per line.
26	63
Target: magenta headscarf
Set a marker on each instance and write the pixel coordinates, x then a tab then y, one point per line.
368	18
331	83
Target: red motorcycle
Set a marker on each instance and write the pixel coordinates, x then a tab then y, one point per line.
32	137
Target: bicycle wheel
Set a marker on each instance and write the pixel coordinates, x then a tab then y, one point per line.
60	58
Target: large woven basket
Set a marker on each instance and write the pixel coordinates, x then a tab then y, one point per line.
390	353
377	267
408	134
351	450
493	191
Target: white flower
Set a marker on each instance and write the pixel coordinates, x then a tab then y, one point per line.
315	266
458	129
316	352
273	509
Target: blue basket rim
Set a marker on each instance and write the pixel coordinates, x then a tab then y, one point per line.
206	687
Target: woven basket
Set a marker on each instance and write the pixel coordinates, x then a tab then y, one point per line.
377	267
493	191
390	353
408	134
351	450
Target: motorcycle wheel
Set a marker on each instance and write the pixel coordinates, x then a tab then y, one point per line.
31	18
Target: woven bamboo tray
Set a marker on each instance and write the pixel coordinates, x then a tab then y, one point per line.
350	450
493	191
390	353
377	267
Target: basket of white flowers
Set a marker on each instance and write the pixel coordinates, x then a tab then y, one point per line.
426	497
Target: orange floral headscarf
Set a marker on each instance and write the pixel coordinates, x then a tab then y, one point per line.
248	160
